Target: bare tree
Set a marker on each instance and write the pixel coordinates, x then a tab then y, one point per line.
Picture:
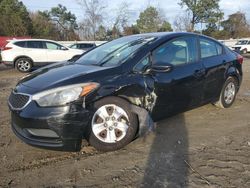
84	30
93	14
183	22
121	20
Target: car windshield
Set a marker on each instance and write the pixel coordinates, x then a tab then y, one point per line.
114	52
72	46
242	42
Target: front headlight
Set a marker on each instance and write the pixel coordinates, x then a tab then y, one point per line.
63	95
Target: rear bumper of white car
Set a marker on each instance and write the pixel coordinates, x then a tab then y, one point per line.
8	63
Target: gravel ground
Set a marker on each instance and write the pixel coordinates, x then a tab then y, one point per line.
204	147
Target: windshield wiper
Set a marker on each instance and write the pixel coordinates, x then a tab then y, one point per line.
108	59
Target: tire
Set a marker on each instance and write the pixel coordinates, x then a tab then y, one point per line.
244	51
23	64
228	93
116	128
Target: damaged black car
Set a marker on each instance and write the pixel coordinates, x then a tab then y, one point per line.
114	92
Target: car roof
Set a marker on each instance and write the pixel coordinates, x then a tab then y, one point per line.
83	43
19	40
164	34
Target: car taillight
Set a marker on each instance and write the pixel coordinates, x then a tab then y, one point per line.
6	48
240	59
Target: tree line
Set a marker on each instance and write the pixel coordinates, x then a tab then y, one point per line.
58	23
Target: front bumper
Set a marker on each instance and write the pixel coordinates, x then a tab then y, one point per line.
56	128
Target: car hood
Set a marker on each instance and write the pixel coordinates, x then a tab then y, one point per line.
60	75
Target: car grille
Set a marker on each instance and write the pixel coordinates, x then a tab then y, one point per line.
18	101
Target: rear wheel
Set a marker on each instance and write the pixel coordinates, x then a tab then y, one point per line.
23	64
228	93
113	125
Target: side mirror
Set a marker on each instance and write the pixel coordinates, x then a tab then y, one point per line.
161	67
64	48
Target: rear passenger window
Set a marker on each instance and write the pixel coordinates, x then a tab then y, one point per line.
209	48
34	44
20	44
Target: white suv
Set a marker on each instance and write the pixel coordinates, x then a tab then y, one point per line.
242	46
26	53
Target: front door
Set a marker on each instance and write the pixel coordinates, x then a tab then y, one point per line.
56	52
182	87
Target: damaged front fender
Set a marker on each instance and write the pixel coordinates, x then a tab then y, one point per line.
138	89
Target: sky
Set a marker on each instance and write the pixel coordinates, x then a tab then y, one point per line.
170	7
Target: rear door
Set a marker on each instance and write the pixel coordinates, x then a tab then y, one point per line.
36	51
214	60
181	88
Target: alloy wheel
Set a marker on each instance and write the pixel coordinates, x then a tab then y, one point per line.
229	93
110	123
23	65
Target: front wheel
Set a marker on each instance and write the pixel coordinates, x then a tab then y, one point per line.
113	125
228	93
23	64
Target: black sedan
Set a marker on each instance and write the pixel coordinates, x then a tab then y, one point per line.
108	93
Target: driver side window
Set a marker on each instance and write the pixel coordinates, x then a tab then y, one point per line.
176	52
53	46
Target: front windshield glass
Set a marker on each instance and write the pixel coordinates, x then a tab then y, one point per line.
114	52
72	46
241	42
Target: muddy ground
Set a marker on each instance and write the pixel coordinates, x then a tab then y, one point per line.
205	147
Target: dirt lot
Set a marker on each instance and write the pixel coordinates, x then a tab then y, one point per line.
205	147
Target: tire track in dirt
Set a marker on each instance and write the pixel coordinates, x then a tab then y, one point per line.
52	160
222	167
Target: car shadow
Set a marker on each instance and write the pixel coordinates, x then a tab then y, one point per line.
166	165
4	67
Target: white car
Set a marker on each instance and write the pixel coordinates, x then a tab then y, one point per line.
242	46
26	53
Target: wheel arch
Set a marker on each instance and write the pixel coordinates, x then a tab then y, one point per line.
23	56
136	101
233	72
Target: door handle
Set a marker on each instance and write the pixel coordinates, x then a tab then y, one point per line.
199	73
